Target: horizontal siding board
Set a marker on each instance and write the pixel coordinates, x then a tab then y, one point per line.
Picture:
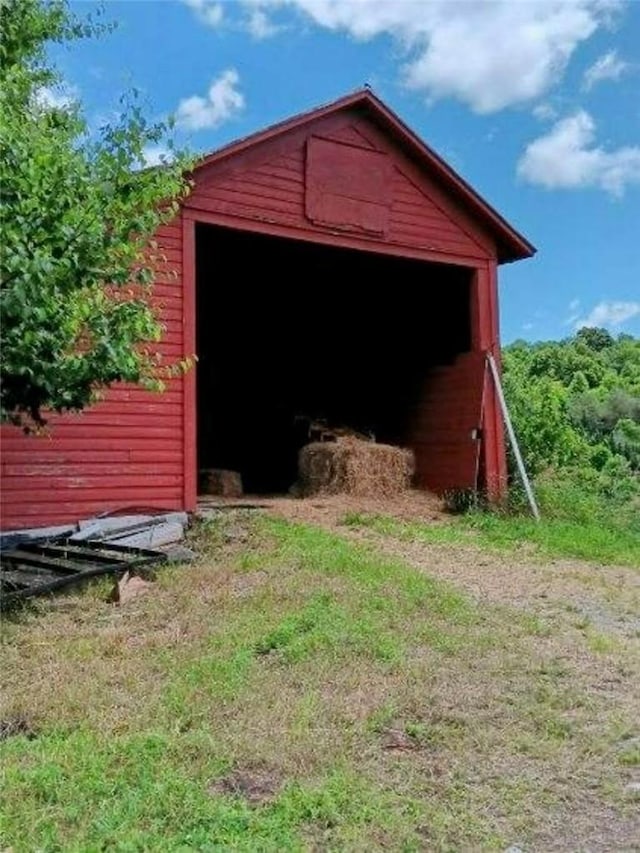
170	230
229	201
30	514
87	442
14	460
85	470
132	418
271	180
290	176
106	431
169	241
171	258
84	504
257	192
170	397
275	218
350	135
115	490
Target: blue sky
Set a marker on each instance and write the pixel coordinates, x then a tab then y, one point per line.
535	103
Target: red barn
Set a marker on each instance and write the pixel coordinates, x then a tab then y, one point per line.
329	266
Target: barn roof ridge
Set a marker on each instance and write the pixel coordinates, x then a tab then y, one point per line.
512	245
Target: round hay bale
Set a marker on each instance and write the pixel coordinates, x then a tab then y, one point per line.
354	467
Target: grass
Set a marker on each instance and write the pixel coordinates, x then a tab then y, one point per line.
549	538
289	651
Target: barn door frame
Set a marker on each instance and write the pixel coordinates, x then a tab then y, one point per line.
189	388
485	339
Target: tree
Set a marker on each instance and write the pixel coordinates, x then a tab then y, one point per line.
78	214
595	338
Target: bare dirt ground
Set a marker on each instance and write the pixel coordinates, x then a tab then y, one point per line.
608	597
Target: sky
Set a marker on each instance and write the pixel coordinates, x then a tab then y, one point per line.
536	103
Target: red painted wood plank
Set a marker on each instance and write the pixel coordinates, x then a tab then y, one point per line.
85	443
290	175
74	471
39	489
232	199
171	256
82	504
133	418
13	460
170	293
102	430
169	397
351	135
257	191
268	179
169	229
406	214
169	241
157	455
411	223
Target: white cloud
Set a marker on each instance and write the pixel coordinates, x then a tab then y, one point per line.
611	314
544	112
567	158
55	98
574	312
155	155
488	53
222	102
260	26
607	67
208	11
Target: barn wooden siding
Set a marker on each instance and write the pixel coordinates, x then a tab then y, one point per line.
126	450
264	188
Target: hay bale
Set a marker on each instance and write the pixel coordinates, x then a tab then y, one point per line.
354	467
217	481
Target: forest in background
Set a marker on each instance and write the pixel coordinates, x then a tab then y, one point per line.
575	406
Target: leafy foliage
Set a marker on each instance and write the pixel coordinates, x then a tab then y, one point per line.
78	213
576	409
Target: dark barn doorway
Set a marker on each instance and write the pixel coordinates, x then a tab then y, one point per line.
289	331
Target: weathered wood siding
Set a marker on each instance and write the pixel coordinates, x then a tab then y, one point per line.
265	188
126	450
445	428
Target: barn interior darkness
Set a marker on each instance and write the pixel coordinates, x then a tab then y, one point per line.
289	331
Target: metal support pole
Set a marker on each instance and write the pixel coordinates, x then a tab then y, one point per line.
512	437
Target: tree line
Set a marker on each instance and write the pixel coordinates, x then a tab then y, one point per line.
575	404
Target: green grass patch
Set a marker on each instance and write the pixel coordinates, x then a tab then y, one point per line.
288	649
588	540
630	756
551	537
82	792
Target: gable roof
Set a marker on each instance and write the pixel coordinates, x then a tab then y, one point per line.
511	245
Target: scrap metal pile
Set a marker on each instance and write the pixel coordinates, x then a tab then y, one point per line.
45	560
